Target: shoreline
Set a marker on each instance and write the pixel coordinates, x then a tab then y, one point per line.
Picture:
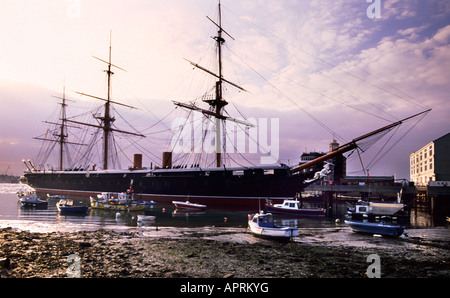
210	254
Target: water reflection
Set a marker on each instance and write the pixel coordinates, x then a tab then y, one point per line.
421	217
166	215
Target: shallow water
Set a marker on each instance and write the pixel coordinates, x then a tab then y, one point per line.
166	216
217	224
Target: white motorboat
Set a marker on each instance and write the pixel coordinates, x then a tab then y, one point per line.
293	207
189	205
262	224
30	199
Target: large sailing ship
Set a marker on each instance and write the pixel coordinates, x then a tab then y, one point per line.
220	185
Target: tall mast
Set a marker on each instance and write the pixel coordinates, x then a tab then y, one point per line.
219	99
218	102
62	136
107	118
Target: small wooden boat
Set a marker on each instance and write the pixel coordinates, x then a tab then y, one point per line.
292	207
31	200
67	207
121	202
375	228
189	205
262	224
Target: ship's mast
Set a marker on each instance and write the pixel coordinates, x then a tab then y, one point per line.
107	120
62	136
218	103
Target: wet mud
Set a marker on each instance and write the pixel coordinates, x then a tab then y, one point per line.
217	253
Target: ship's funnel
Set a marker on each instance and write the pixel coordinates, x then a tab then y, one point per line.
167	160
137	164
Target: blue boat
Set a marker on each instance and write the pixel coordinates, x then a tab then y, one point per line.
67	207
375	228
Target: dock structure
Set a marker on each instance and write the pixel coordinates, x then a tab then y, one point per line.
372	189
436	197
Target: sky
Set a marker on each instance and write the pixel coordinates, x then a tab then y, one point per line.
325	69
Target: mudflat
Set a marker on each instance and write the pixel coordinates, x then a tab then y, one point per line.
109	254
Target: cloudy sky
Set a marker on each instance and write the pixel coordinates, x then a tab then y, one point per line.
325	69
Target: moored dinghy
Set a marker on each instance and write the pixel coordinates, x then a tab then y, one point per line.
30	199
262	224
119	202
189	205
293	207
67	206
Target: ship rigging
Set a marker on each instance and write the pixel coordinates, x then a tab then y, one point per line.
244	185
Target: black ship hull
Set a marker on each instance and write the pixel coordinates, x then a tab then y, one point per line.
234	187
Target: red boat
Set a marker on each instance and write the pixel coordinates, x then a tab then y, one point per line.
189	205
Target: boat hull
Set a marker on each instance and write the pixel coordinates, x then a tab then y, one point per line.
284	233
243	187
34	204
31	200
262	225
73	209
375	228
117	207
189	206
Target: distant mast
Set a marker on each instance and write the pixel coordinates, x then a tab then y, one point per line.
62	136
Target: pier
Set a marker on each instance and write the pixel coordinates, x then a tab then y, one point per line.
437	198
370	189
